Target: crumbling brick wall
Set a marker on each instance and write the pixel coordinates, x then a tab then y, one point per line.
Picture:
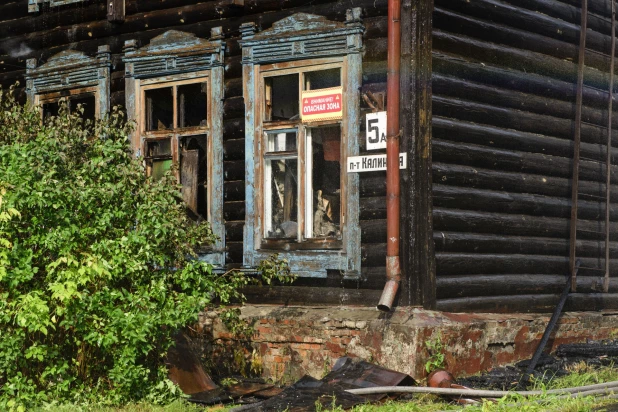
294	341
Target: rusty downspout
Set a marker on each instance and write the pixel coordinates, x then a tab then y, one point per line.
393	271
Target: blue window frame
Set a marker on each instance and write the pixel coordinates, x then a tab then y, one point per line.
300	202
174	93
72	75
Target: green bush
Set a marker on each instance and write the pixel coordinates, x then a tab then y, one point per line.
97	264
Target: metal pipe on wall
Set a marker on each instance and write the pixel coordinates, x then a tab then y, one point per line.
393	270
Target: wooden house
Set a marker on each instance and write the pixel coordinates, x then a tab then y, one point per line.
490	113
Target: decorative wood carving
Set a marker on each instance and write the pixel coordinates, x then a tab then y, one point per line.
71	69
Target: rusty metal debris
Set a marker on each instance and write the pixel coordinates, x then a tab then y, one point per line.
444	379
332	388
185	369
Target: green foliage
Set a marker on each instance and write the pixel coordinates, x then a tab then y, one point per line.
97	269
436	354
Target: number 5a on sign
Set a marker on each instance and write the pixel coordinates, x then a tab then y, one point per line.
376	130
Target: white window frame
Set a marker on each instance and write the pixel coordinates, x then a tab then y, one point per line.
295	44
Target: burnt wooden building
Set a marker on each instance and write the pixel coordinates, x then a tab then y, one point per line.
490	111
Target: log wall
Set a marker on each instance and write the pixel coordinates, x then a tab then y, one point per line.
504	74
504	85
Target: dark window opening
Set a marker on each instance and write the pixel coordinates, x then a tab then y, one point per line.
88	105
323	79
281	97
282	204
326	182
50	109
159	109
194	174
192	105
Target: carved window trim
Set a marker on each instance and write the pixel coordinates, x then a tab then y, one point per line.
71	72
293	45
170	60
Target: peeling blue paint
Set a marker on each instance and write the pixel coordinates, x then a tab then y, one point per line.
166	57
69	70
301	37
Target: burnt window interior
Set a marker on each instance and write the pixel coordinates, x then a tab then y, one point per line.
281	186
324	217
194	173
281	97
192	105
176	108
50	109
323	79
87	102
159	109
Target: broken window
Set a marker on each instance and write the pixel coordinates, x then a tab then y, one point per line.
281	185
176	100
159	109
173	112
73	80
281	97
303	159
84	104
302	80
323	206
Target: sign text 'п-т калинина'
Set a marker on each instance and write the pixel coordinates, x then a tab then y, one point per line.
373	163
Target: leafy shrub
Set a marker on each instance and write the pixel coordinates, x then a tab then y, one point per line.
97	264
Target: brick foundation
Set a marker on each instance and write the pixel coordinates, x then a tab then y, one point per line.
294	341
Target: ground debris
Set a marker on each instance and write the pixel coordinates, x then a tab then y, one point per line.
330	391
592	353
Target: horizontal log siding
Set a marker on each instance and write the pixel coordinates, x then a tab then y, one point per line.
504	88
84	27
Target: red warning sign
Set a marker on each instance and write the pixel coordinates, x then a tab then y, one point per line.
322	104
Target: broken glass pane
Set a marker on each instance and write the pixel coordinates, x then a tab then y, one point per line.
88	104
281	97
281	198
159	109
159	148
281	141
159	167
192	105
324	218
322	79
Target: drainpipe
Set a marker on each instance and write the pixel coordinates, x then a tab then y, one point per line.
393	271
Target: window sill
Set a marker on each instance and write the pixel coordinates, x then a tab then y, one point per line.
305	263
292	245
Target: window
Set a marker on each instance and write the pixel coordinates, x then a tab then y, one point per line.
174	92
87	99
74	77
175	115
312	150
302	79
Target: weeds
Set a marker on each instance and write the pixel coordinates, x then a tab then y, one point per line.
436	354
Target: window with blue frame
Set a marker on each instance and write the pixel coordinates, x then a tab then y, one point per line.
83	82
174	93
302	81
